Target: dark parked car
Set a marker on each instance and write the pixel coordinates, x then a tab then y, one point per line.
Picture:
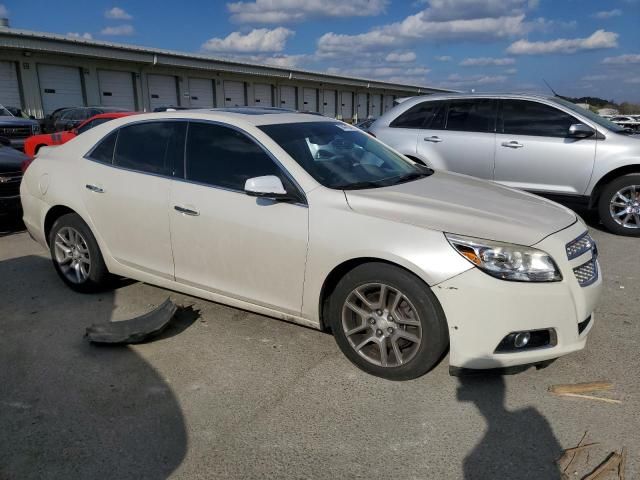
16	129
49	120
10	177
18	112
70	118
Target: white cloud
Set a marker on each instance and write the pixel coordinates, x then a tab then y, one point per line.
400	57
3	11
116	13
120	30
447	10
257	40
486	61
598	40
444	58
622	59
278	60
511	71
616	12
85	35
287	11
456	80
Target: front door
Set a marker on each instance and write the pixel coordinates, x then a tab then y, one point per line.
534	152
126	193
224	241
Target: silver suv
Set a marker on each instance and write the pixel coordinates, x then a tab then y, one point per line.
545	145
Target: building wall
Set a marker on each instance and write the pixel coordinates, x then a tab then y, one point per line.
32	97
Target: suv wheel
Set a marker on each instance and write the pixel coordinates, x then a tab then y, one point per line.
619	205
76	256
388	322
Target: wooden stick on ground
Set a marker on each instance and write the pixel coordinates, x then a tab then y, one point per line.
610	463
588	397
571	454
622	465
580	387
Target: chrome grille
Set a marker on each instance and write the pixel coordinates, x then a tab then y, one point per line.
587	273
16	132
10	184
580	245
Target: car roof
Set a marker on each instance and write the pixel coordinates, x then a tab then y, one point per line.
111	115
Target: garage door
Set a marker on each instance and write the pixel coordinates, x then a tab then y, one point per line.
310	99
361	106
263	95
288	97
387	103
234	94
60	87
329	102
116	89
163	91
346	105
201	93
9	90
375	105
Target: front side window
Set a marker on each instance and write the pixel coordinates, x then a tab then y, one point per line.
223	157
103	152
151	147
342	157
427	115
473	115
523	117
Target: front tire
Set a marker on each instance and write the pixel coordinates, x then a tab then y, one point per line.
619	205
388	322
76	256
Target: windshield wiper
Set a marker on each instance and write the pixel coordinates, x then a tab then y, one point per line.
360	185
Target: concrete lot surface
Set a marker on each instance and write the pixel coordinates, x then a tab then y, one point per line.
236	395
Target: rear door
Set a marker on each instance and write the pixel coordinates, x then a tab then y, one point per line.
310	99
228	242
60	86
361	106
163	91
125	182
201	93
329	102
9	89
234	94
263	94
466	143
534	151
346	106
288	97
116	89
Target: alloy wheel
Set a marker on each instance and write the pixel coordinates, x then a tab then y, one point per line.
72	255
381	325
624	207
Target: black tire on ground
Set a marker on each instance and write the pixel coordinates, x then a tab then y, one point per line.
99	278
607	195
435	336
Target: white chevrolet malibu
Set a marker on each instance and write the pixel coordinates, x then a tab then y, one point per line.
308	219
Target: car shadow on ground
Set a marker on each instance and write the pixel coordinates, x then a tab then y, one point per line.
516	444
67	408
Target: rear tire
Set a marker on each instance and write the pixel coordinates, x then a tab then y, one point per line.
76	255
619	205
388	322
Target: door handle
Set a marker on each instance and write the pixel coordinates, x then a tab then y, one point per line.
433	139
94	188
512	144
186	211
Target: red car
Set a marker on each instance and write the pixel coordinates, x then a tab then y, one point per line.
33	143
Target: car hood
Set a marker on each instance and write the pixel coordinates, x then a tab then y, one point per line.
11	160
16	122
467	206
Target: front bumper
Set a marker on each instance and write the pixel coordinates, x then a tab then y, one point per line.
10	205
482	310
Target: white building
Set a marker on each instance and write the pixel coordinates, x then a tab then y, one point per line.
42	72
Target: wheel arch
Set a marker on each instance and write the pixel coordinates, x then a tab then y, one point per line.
53	214
610	176
340	271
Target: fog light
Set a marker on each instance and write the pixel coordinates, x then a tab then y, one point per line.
521	339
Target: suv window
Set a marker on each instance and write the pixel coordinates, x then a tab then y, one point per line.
224	157
151	147
428	115
472	115
523	117
103	152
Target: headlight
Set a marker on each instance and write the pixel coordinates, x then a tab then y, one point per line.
507	261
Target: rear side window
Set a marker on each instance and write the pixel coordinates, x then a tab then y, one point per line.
103	152
151	147
473	115
224	157
427	115
522	117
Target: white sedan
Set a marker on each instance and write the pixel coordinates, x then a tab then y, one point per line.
310	220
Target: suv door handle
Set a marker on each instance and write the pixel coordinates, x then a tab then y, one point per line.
433	139
94	188
186	211
512	144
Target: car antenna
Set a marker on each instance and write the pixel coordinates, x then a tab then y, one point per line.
551	88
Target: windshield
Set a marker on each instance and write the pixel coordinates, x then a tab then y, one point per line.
341	156
4	112
594	117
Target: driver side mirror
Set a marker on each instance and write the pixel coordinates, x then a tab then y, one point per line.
267	186
580	130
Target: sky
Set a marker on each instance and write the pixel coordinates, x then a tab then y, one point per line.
580	47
